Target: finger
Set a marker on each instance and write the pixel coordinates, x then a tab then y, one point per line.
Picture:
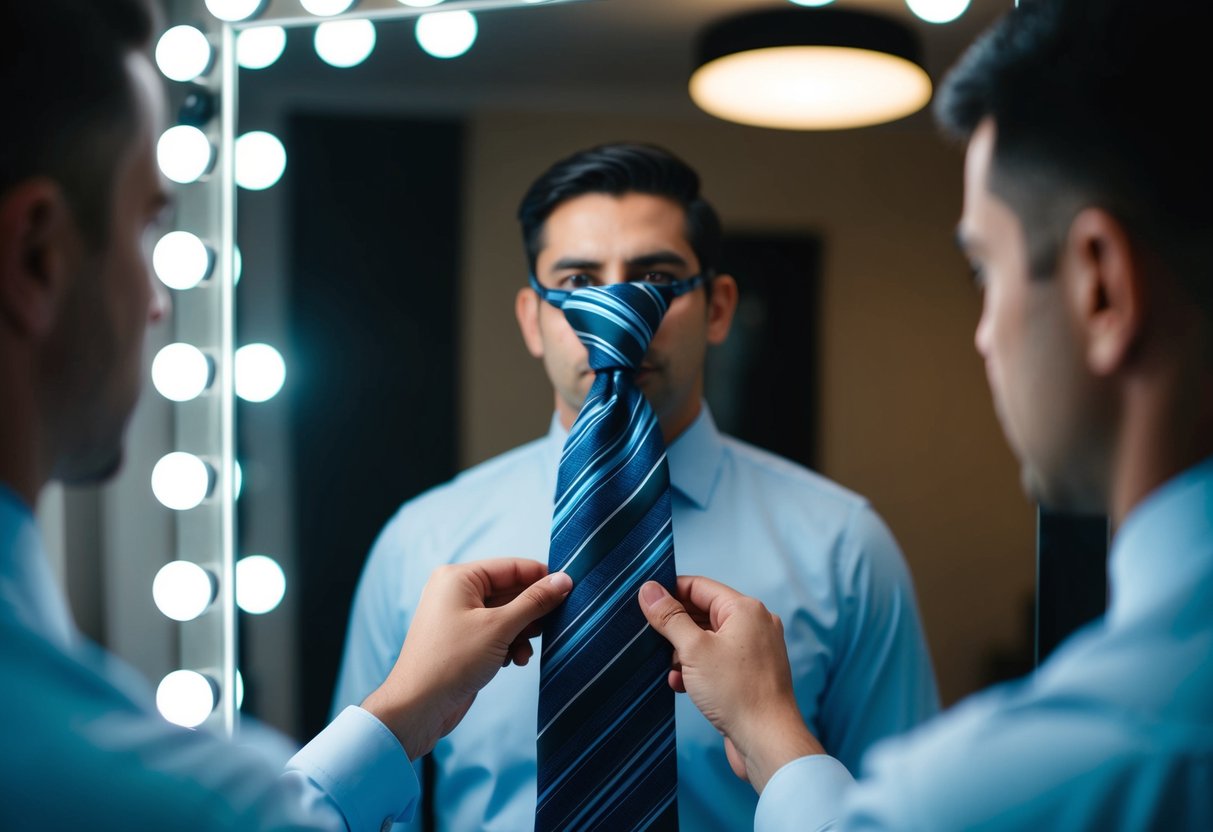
507	576
677	682
706	595
668	617
533	603
736	761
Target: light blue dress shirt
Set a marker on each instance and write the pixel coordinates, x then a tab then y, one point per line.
815	553
82	745
1113	732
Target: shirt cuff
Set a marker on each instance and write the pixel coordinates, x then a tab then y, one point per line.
362	767
805	794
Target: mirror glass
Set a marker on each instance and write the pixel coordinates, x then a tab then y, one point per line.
383	268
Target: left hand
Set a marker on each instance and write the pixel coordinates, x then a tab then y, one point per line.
473	619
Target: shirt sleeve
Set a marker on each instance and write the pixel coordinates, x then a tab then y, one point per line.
881	682
806	795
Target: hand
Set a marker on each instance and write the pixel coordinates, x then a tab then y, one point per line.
729	655
473	619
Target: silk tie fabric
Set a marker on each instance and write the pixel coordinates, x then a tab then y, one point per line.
606	746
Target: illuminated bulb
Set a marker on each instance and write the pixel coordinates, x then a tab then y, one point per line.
239	265
181	260
183	53
938	11
420	4
260	372
183	590
181	372
260	584
811	2
446	34
234	9
186	698
326	8
260	160
239	690
181	481
185	153
260	47
345	43
238	485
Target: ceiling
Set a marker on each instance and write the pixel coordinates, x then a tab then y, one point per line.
605	56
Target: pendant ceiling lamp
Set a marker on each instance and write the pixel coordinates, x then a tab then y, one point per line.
809	69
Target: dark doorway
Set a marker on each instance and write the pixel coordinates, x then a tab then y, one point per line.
373	299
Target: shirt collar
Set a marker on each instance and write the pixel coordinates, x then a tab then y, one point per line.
1163	550
28	591
695	456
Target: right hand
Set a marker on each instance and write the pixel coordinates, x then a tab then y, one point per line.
730	657
473	619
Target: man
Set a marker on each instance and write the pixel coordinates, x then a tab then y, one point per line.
816	552
1087	219
83	742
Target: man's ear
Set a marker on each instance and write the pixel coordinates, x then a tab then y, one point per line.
1107	291
722	304
37	242
526	309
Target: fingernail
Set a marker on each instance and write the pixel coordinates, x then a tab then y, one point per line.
560	581
651	593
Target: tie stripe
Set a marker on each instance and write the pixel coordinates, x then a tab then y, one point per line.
606	742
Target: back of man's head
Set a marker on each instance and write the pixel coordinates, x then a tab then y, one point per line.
69	107
618	169
1098	103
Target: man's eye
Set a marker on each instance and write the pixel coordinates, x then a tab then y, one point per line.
657	278
576	281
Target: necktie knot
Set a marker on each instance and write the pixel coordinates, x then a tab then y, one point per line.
616	322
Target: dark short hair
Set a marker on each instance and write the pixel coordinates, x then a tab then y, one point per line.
1097	103
68	103
617	169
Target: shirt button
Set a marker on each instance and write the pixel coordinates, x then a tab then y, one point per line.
386	826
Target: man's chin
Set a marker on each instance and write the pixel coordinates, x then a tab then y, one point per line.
95	470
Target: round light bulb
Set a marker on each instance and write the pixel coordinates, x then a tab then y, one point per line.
811	3
234	9
260	372
181	481
260	47
326	8
238	485
938	11
260	584
345	43
446	34
420	4
181	372
186	698
260	160
181	260
183	53
239	690
185	153
239	265
183	590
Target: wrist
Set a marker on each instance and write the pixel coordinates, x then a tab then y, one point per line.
405	715
774	739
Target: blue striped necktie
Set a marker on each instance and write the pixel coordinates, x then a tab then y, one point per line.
606	745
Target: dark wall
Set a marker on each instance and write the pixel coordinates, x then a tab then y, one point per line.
373	300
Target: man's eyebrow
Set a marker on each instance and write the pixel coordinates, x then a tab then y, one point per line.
657	258
566	263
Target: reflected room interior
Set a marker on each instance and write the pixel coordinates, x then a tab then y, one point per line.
381	268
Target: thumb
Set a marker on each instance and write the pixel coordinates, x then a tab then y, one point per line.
667	616
534	602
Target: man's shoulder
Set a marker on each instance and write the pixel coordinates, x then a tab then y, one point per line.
787	480
495	484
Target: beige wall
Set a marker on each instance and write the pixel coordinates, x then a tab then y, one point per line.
906	417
